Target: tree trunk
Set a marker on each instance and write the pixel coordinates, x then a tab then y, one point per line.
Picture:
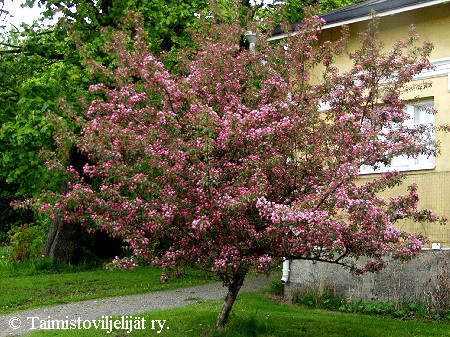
62	239
62	242
233	290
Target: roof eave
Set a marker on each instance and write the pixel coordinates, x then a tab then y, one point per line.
368	17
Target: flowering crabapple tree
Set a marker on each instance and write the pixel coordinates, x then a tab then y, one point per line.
229	162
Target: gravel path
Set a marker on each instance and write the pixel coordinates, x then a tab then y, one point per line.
85	312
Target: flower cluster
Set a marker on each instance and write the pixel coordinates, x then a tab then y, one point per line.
124	263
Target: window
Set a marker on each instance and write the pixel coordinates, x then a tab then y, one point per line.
419	115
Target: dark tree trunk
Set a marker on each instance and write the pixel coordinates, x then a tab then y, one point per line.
66	240
233	290
62	242
62	239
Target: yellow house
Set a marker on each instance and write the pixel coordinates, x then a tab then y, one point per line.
432	175
432	19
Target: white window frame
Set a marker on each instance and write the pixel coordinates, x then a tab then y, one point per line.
403	163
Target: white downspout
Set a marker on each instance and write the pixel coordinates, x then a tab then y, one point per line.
286	270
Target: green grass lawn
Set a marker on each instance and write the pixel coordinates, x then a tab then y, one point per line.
255	314
30	291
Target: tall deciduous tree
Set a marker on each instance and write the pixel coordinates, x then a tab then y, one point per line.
229	164
42	67
295	9
35	74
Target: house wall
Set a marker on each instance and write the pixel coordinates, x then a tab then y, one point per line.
433	24
417	280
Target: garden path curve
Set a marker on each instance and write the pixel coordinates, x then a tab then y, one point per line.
90	310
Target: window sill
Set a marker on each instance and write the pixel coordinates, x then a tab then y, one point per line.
399	169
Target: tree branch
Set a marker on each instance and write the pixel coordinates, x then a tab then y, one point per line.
9	45
326	195
11	51
318	259
19	50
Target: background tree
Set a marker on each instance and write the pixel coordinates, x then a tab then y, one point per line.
295	9
41	68
34	76
227	164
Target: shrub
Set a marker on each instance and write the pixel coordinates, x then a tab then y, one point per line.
276	287
21	242
330	302
26	241
437	291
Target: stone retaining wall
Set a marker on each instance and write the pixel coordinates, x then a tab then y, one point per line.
425	280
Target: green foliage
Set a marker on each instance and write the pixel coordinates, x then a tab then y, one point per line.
4	257
39	265
386	309
167	21
21	242
36	84
276	287
295	9
40	68
10	217
26	241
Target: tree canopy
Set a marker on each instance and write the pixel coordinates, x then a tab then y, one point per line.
229	163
